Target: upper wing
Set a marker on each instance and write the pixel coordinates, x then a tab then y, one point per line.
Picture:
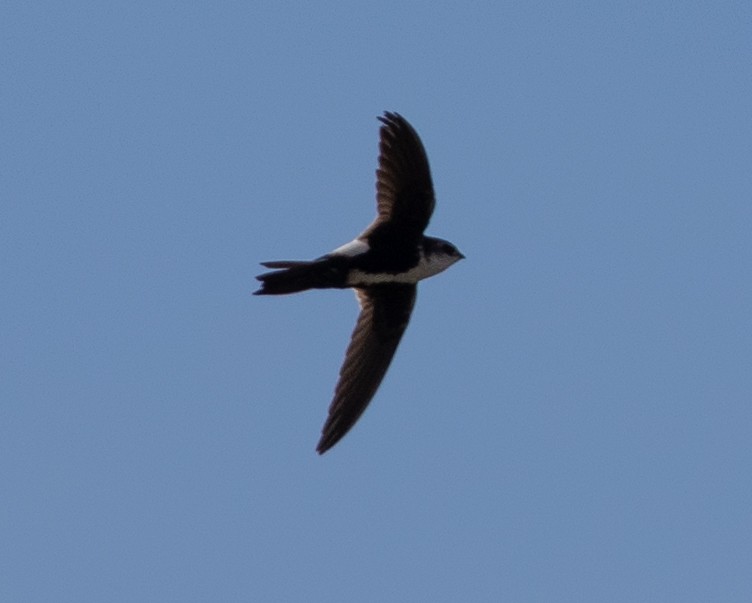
385	312
404	191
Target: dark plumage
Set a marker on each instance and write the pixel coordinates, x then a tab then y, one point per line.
383	265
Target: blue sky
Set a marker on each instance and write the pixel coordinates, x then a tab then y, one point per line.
568	417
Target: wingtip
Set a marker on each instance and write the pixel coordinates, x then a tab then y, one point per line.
390	117
324	444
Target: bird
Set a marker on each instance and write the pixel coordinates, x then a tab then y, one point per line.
383	265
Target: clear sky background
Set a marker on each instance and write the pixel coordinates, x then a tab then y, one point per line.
569	415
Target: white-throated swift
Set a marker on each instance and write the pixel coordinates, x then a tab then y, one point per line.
383	264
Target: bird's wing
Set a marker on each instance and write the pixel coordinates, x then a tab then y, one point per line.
385	312
404	191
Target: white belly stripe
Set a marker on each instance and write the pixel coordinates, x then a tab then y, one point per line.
424	269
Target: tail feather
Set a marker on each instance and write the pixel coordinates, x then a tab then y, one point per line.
285	263
294	276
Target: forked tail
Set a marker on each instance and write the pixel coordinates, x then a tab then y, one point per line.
291	277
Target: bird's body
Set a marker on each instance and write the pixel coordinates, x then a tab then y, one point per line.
383	265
